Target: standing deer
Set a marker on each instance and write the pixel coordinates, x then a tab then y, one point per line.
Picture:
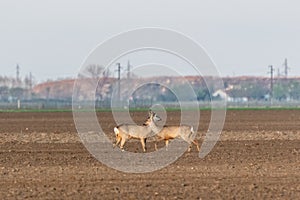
124	132
171	132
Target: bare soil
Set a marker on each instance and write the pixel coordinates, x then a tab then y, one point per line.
257	157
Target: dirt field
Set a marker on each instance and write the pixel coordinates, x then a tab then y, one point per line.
257	157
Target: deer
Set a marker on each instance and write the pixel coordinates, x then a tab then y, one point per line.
171	132
125	132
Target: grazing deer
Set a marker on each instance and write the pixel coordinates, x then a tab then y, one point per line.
171	132
124	132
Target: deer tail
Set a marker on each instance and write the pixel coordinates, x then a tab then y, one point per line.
192	132
116	130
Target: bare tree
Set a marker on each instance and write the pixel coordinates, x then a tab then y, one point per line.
95	71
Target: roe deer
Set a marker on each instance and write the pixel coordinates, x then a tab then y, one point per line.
171	132
124	132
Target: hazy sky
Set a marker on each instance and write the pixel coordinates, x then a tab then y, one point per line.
52	38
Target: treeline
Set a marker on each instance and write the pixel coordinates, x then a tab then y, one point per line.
12	89
260	88
236	88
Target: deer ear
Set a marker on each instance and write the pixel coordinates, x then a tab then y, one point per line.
150	113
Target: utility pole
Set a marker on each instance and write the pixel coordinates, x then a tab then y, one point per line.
30	85
30	81
128	69
119	81
286	68
278	72
272	79
18	75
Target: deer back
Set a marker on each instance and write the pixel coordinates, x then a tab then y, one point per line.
135	131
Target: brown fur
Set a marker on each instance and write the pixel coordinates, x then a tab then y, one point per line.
125	132
171	132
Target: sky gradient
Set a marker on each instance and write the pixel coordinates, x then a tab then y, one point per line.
51	39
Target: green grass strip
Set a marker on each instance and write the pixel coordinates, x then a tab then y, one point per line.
143	109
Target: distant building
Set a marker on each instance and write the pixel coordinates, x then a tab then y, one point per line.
224	96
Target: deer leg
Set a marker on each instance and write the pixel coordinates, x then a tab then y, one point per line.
117	142
157	139
143	141
197	144
155	146
122	143
167	144
190	147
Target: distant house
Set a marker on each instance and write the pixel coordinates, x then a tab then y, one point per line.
221	94
225	96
